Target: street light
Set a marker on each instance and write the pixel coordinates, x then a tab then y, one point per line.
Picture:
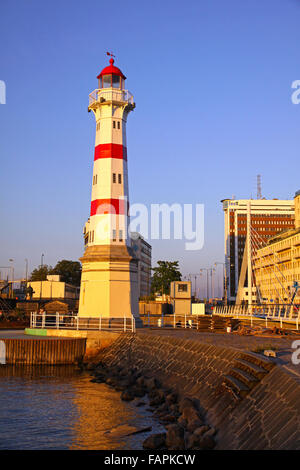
189	278
212	271
207	293
42	259
26	269
195	276
224	281
12	276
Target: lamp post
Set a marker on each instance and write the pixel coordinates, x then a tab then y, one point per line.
26	270
212	271
195	277
224	280
12	276
42	259
207	288
189	277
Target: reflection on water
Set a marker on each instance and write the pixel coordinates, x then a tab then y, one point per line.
59	408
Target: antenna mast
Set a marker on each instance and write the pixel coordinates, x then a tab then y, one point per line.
259	196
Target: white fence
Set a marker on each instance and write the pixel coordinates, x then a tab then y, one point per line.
281	313
60	321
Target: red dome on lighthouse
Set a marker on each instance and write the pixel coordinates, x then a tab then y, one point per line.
111	70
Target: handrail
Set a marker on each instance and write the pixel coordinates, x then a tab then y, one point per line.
233	311
61	321
276	312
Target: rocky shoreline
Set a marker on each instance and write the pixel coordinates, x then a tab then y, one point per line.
185	427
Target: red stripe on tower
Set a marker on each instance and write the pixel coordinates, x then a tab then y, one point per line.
109	206
110	151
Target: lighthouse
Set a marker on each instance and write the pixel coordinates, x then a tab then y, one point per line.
109	283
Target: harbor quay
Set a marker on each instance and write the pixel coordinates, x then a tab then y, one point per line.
241	398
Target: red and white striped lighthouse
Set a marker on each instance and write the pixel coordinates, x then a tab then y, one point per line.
109	267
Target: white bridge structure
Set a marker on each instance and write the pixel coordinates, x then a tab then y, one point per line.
284	309
284	315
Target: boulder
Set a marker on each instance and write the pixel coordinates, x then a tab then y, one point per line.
182	421
127	395
155	441
152	383
100	378
191	414
201	430
123	372
168	418
175	437
185	403
97	380
112	381
174	409
191	441
120	387
171	398
157	397
138	391
210	432
193	424
140	381
163	408
206	443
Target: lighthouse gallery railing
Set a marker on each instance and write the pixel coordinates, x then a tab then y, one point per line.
110	95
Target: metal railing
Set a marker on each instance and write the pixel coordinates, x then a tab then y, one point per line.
282	313
170	321
196	321
99	95
59	321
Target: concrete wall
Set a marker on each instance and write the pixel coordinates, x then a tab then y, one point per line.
95	340
267	418
154	308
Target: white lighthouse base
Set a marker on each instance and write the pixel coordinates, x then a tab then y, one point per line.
109	283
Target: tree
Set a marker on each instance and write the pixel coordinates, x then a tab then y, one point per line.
40	273
69	271
164	273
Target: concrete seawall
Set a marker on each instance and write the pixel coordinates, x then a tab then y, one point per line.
267	416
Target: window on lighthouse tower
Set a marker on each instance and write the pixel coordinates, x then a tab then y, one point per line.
106	81
116	81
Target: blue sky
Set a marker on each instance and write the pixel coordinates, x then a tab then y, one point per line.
212	84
